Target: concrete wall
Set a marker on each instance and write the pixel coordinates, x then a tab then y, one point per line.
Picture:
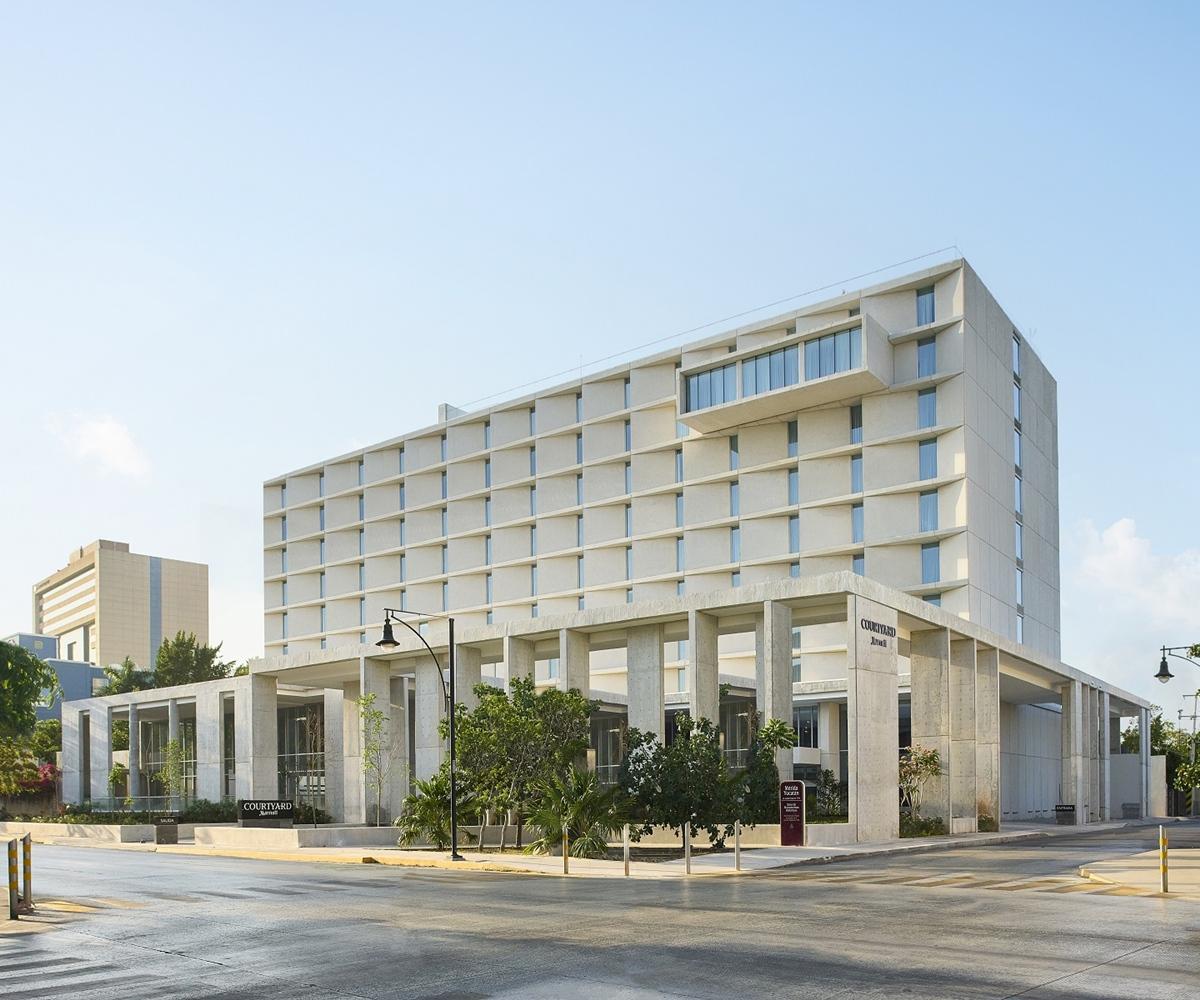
1030	761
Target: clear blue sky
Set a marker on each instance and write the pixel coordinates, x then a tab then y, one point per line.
237	239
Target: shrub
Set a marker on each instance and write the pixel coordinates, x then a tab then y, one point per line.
591	814
425	813
987	824
204	811
916	826
306	813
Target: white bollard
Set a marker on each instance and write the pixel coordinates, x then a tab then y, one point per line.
625	847
737	845
687	848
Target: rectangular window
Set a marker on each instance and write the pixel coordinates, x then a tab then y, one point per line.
579	489
628	562
1017	402
1017	495
1019	539
679	465
445	559
533	539
833	353
402	496
927	408
679	510
856	523
934	599
735	578
628	436
533	461
772	370
532	500
679	561
361	472
858	563
856	423
362	539
1020	628
928	506
794	571
681	429
487	433
926	357
793	486
856	473
283	528
283	596
579	407
532	421
321	585
579	449
282	564
403	567
533	588
443	485
400	459
445	522
1016	448
924	305
487	511
321	552
679	588
579	530
362	577
283	626
362	611
362	507
487	472
628	520
735	505
734	458
931	562
320	484
710	388
628	595
927	459
793	534
804	721
579	603
445	596
793	438
628	477
735	546
1016	355
442	448
487	588
283	493
1020	588
487	550
579	572
403	597
625	394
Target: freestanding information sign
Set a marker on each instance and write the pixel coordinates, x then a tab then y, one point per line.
791	813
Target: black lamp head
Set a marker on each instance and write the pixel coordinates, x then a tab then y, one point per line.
388	641
1164	672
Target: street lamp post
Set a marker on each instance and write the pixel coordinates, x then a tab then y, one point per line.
388	641
1164	674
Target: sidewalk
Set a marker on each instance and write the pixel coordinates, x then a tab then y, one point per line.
1141	871
753	859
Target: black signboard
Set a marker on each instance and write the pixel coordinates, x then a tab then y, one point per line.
791	813
166	830
265	812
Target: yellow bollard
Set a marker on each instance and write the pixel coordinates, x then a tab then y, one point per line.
27	858
12	880
1162	859
737	845
566	851
625	847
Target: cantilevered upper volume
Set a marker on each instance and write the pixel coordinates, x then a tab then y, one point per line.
905	431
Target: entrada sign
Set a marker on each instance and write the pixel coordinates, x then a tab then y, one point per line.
877	629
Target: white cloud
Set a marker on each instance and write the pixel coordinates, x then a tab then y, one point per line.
1122	600
105	441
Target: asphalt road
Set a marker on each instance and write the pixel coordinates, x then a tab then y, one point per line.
1002	921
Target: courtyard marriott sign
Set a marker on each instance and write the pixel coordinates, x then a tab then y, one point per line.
881	632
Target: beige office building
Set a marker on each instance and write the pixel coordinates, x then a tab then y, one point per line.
108	603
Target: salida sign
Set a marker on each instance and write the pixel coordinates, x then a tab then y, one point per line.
791	813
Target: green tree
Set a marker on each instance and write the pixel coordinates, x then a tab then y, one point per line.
117	778
425	812
684	783
46	740
120	734
575	800
26	682
126	676
184	660
17	766
512	743
242	670
378	748
171	774
917	765
757	798
1187	776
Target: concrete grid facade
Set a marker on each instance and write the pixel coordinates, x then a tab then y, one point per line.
108	603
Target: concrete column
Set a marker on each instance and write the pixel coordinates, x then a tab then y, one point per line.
400	763
575	661
872	719
353	808
773	673
1144	759
987	731
704	686
430	708
72	756
1093	750
256	737
1105	757
518	657
335	775
1073	787
644	660
963	813
929	658
374	678
468	671
173	734
135	753
100	757
209	732
829	736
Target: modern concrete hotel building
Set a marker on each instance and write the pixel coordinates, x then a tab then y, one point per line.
846	516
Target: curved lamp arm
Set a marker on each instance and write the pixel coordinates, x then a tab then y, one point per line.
391	616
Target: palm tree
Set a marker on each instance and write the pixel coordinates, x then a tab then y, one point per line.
575	800
126	676
425	813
